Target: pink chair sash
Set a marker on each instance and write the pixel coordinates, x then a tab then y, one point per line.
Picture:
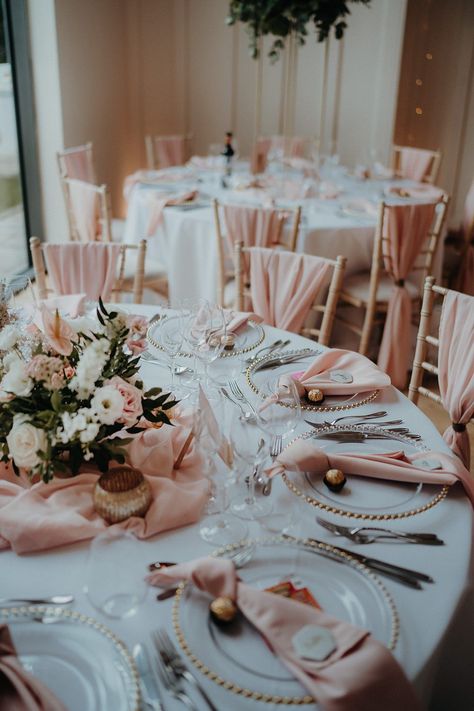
360	674
258	162
407	229
170	150
19	690
254	226
284	285
414	163
456	368
85	207
78	165
89	268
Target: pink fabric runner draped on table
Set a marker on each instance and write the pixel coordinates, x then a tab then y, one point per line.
414	163
360	674
407	228
284	285
89	268
85	207
19	690
170	150
456	368
78	165
42	516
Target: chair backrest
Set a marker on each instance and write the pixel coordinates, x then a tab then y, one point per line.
318	264
254	212
119	285
416	163
166	151
77	163
88	210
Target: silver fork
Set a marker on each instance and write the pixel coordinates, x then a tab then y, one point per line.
173	683
368	416
276	445
173	661
237	393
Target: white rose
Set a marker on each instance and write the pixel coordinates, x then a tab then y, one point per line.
108	404
8	337
24	440
16	379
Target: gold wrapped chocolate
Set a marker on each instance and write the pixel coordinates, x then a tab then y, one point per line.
120	493
223	610
315	395
334	479
228	341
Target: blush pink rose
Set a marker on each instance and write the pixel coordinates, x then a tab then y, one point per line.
137	345
132	400
137	325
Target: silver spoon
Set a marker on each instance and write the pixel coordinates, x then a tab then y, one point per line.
246	416
148	686
178	369
53	600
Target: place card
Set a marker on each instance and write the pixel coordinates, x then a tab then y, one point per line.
314	643
429	463
340	376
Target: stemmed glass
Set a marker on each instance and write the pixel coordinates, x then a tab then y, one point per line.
280	412
170	336
203	332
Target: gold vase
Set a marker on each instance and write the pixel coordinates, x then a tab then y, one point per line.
120	493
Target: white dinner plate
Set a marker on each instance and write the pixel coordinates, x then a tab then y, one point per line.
367	496
342	587
80	660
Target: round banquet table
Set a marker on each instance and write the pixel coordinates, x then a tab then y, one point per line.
435	646
185	240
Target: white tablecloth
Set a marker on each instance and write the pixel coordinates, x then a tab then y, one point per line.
436	640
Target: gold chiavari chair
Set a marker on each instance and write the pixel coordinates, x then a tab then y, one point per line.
100	196
121	285
326	310
370	291
433	162
158	156
225	276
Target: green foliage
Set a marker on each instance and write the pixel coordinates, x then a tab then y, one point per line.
280	18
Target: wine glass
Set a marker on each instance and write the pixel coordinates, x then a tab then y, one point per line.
280	412
203	333
170	336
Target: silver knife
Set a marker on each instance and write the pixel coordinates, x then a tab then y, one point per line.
283	360
149	686
427	538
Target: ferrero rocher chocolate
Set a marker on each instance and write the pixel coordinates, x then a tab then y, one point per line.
315	395
334	479
120	493
228	341
223	610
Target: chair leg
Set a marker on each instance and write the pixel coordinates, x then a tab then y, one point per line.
366	330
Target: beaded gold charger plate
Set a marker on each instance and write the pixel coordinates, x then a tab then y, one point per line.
237	658
365	498
258	378
249	337
81	661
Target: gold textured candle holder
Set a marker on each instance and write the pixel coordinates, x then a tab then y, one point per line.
120	493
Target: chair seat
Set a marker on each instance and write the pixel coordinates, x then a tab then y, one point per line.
117	228
230	294
358	284
153	268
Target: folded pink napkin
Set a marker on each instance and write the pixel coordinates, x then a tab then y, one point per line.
421	192
236	320
158	202
41	516
151	176
357	673
425	467
20	691
338	372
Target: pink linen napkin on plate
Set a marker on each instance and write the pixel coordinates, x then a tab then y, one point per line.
42	516
158	202
235	320
152	176
359	673
20	691
338	372
424	467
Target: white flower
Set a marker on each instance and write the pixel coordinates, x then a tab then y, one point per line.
16	379
108	404
83	422
89	367
24	441
9	336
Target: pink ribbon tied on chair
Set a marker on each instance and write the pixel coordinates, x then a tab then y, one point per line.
358	674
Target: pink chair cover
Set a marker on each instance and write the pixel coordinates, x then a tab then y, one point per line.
19	690
89	268
258	161
63	510
393	466
254	226
158	202
407	229
85	207
170	150
78	165
456	368
359	675
284	285
415	162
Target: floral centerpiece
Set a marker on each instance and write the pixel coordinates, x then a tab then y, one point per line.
69	397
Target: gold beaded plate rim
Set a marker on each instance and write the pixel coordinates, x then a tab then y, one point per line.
361	516
25	613
230	354
349	405
307	544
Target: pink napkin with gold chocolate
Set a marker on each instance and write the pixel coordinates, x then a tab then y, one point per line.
39	516
353	671
338	372
20	691
426	467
